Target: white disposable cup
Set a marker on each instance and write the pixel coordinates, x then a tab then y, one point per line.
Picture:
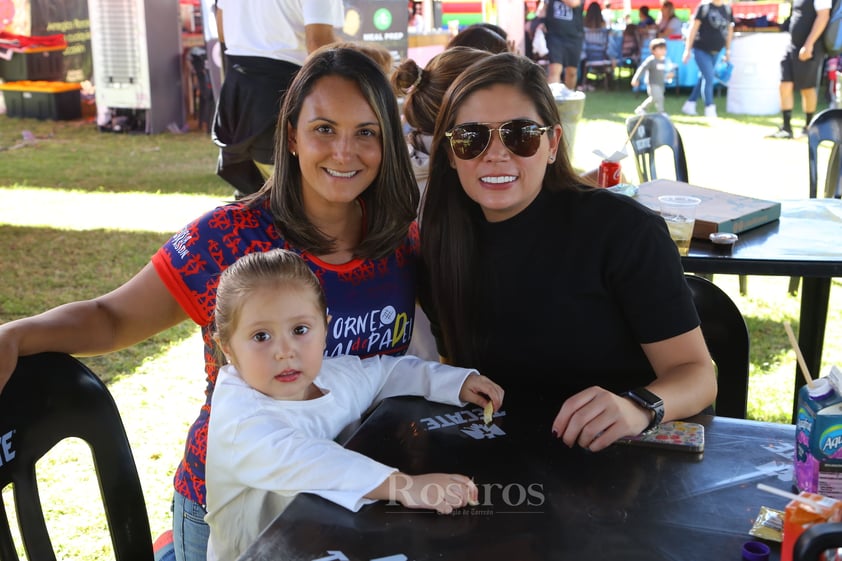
679	212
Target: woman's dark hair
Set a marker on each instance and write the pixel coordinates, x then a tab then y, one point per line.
493	27
392	198
424	89
449	218
276	268
593	16
481	36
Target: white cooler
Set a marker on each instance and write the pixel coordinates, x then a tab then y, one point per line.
754	85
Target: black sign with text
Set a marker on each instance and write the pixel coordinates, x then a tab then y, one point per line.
380	22
70	18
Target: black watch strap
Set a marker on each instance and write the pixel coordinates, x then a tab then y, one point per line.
649	401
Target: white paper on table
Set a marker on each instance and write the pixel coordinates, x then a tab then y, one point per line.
615	157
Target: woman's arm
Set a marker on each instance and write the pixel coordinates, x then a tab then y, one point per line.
219	32
317	35
685	380
131	313
728	39
822	17
691	38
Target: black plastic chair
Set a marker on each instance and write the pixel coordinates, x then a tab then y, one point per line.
726	335
654	131
630	50
596	60
51	397
826	126
815	540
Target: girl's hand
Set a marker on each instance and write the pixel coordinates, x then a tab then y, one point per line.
479	390
594	418
441	492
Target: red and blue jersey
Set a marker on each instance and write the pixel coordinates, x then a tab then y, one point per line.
371	301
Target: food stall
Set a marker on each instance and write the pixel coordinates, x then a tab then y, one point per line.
433	22
39	18
436	21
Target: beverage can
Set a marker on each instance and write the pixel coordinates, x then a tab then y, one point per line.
608	174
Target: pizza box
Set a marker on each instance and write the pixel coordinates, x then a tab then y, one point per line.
718	212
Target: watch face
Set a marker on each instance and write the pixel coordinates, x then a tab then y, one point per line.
648	397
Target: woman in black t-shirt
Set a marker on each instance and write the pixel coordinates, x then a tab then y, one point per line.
572	296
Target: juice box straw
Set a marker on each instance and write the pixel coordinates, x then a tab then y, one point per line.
775	491
804	370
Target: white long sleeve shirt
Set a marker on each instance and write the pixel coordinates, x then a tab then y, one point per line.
263	451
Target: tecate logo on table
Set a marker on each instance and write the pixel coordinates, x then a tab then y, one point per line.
469	421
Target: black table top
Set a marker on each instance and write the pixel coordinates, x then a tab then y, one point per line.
804	242
541	500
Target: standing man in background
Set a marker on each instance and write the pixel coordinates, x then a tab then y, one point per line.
803	61
266	43
564	25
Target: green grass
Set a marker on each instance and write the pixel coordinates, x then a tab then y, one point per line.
81	211
73	155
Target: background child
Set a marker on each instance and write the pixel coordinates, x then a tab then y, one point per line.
278	404
655	67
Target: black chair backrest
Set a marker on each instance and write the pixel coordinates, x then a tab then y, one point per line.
630	47
51	397
826	126
595	45
815	540
648	133
726	335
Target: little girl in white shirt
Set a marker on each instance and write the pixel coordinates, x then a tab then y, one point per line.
278	404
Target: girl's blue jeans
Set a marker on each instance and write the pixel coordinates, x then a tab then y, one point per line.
705	61
190	532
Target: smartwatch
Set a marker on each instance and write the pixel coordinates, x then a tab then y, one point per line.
650	402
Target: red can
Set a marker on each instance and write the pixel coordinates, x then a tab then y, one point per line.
609	174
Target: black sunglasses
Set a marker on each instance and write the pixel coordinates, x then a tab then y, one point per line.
522	137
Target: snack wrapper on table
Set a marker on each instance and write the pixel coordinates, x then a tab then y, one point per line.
769	525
